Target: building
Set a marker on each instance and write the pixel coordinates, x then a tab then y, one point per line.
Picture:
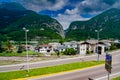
91	46
71	44
61	48
44	48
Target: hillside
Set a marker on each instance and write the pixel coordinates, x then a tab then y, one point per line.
108	21
11	6
40	26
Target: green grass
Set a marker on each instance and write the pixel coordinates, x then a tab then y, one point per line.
47	70
117	78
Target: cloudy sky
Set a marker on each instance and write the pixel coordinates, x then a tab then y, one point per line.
66	11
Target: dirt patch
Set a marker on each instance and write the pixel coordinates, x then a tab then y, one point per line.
17	60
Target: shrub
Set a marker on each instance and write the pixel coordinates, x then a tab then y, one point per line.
70	51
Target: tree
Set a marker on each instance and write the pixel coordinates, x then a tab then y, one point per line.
20	49
1	48
9	46
113	46
57	52
70	51
61	41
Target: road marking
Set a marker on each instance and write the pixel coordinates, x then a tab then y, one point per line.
107	76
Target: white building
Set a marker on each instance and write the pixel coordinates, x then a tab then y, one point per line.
83	48
71	44
44	48
54	45
91	46
61	48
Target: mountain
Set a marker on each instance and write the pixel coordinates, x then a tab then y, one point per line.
108	21
40	26
11	6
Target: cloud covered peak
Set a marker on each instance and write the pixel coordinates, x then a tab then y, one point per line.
65	11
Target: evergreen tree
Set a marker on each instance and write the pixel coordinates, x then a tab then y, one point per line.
9	46
1	49
20	49
61	41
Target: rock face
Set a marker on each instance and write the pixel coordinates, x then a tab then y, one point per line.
14	17
108	21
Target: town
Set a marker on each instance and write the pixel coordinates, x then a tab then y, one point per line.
59	39
78	47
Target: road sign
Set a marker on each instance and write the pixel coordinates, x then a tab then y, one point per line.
108	62
108	57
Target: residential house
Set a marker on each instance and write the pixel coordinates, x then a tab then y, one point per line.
29	47
107	43
61	48
71	44
54	45
91	46
44	48
83	48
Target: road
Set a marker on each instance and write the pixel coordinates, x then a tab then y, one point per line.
96	73
57	62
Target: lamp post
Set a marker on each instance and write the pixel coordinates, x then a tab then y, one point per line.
98	31
26	31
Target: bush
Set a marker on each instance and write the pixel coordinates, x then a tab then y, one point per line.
1	49
89	52
70	51
20	49
113	47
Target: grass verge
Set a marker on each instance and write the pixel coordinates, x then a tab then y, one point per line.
117	78
47	70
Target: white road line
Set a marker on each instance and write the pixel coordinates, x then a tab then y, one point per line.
111	75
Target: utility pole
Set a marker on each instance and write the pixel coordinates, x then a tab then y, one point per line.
98	31
27	58
108	64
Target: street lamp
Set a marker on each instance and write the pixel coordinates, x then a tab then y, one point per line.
98	31
26	31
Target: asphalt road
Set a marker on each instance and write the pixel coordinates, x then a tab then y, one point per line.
95	73
44	63
58	61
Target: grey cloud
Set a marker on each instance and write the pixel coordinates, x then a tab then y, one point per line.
96	6
38	5
89	6
117	4
110	2
84	6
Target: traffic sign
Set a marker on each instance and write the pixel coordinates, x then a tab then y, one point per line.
108	62
109	57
